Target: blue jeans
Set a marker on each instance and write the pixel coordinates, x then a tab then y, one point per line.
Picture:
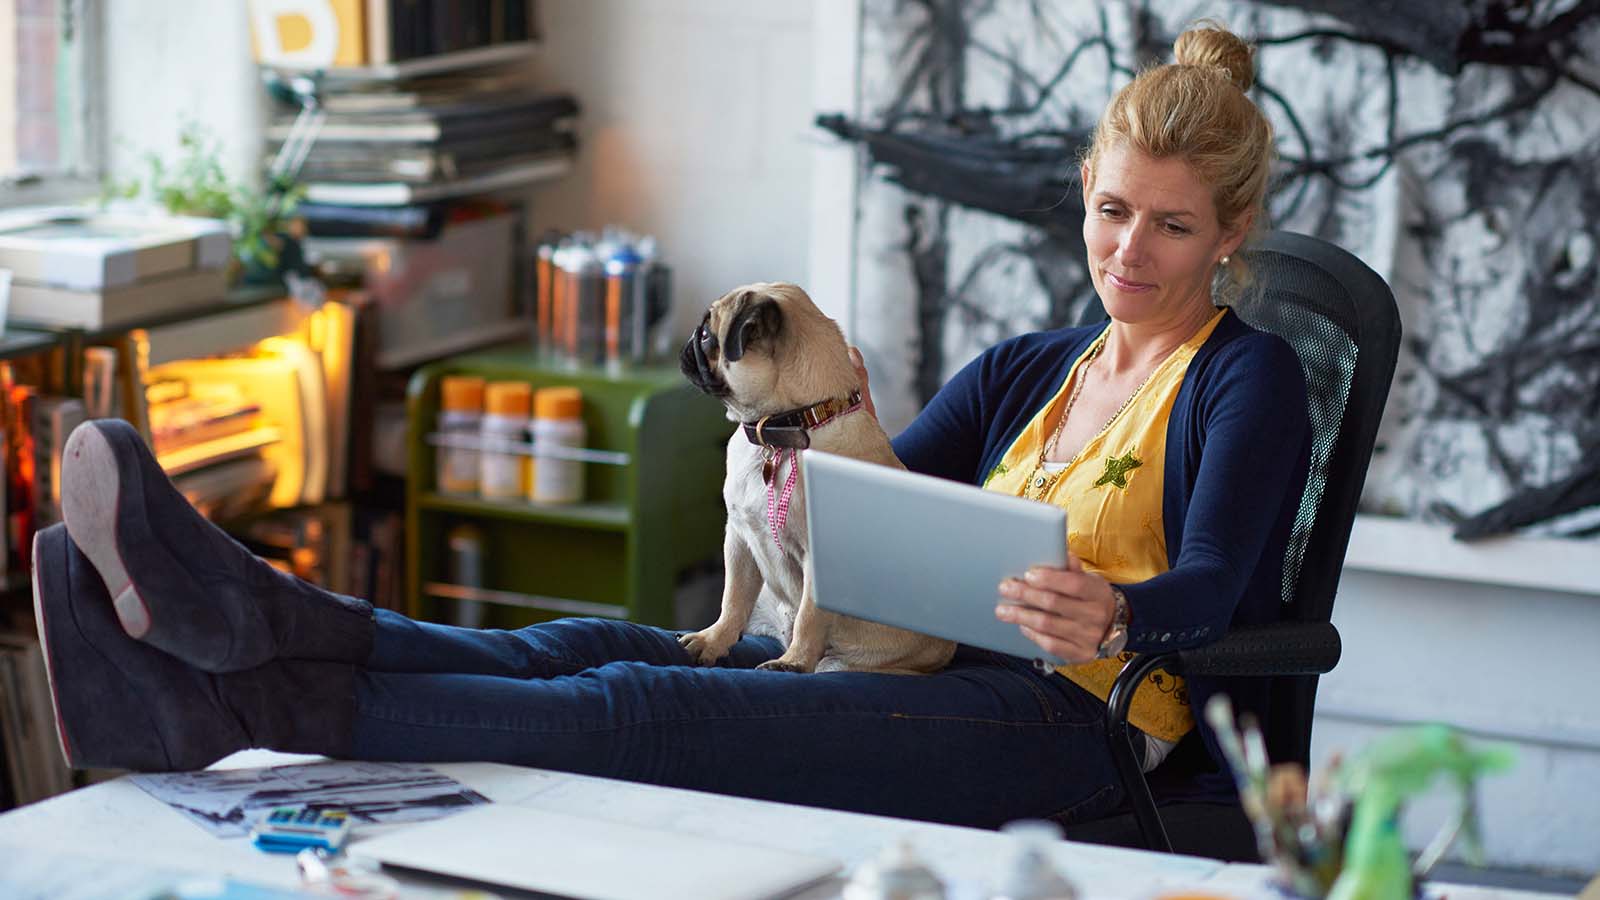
983	742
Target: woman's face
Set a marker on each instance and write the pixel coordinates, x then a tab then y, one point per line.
1153	239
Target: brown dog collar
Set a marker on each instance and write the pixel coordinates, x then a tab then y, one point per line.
792	430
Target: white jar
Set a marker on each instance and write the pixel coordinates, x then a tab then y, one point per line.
557	423
502	467
461	417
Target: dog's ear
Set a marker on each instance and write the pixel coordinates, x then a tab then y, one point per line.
758	320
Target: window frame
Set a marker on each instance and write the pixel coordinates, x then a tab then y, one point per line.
82	170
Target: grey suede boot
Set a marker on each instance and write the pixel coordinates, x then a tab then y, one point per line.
182	584
122	704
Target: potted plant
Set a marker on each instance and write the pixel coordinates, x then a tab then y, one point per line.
194	184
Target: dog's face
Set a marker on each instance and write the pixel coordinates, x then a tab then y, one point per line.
765	347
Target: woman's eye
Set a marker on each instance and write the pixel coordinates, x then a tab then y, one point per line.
1109	211
1175	228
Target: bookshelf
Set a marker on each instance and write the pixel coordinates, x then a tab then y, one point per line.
652	514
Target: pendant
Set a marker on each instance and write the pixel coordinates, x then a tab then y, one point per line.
1038	482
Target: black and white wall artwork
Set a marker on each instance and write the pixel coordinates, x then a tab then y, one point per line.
1454	147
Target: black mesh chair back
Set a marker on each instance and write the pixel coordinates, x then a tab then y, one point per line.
1342	321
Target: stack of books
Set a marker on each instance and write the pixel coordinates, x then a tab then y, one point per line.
197	424
92	269
416	141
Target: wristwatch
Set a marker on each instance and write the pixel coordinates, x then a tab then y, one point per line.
1117	632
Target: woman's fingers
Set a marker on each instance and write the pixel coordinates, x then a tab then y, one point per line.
1062	581
1073	651
1064	612
1059	621
866	389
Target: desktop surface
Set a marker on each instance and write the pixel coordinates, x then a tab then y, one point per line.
94	828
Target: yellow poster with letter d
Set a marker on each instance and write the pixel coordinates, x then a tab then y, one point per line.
308	34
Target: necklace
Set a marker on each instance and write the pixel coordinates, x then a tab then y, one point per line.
1040	482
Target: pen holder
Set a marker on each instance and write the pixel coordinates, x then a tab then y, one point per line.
1342	840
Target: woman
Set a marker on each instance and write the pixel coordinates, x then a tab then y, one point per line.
1176	437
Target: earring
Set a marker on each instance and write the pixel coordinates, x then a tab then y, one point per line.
1224	260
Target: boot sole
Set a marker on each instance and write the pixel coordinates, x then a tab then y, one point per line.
49	663
90	510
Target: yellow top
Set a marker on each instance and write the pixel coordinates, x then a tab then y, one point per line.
1112	493
461	393
508	398
557	403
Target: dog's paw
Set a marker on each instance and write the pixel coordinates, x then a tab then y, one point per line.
704	647
784	665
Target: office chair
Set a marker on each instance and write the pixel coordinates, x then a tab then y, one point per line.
1342	321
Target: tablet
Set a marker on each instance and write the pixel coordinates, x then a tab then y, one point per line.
924	553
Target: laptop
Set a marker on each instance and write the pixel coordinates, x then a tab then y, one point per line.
550	853
923	553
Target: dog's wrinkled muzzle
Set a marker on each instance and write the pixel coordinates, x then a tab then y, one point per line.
697	368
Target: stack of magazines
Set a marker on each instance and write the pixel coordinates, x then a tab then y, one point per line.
96	269
389	150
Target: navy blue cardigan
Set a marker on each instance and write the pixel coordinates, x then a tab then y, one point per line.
1238	442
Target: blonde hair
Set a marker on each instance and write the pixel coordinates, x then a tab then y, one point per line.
1196	109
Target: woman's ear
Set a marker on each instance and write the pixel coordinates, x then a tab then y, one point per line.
1084	179
1234	237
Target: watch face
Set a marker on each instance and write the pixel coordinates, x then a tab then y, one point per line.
1117	642
1114	642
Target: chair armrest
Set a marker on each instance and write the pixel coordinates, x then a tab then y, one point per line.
1284	648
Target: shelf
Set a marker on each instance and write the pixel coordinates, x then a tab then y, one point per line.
1406	547
528	448
239	318
595	516
476	58
466	339
236	299
402	194
24	342
224	327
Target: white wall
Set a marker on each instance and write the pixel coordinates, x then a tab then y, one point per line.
1497	639
696	127
174	62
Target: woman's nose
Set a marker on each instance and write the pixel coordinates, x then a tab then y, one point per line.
1131	246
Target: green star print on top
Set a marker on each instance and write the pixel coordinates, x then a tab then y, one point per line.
1117	469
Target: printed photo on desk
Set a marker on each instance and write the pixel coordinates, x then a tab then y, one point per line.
225	802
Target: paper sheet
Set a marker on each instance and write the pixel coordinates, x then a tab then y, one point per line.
226	802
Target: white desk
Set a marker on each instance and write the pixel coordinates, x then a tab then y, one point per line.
117	823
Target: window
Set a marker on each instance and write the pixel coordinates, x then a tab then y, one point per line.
48	122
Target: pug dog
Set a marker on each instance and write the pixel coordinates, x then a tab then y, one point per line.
783	371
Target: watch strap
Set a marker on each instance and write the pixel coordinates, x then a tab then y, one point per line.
1116	636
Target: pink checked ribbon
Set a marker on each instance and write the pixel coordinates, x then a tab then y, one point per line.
778	504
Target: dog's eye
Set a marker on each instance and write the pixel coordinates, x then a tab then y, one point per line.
708	341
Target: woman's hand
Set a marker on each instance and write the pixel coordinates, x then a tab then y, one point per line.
861	372
1067	611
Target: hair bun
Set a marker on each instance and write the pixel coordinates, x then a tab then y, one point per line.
1210	44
